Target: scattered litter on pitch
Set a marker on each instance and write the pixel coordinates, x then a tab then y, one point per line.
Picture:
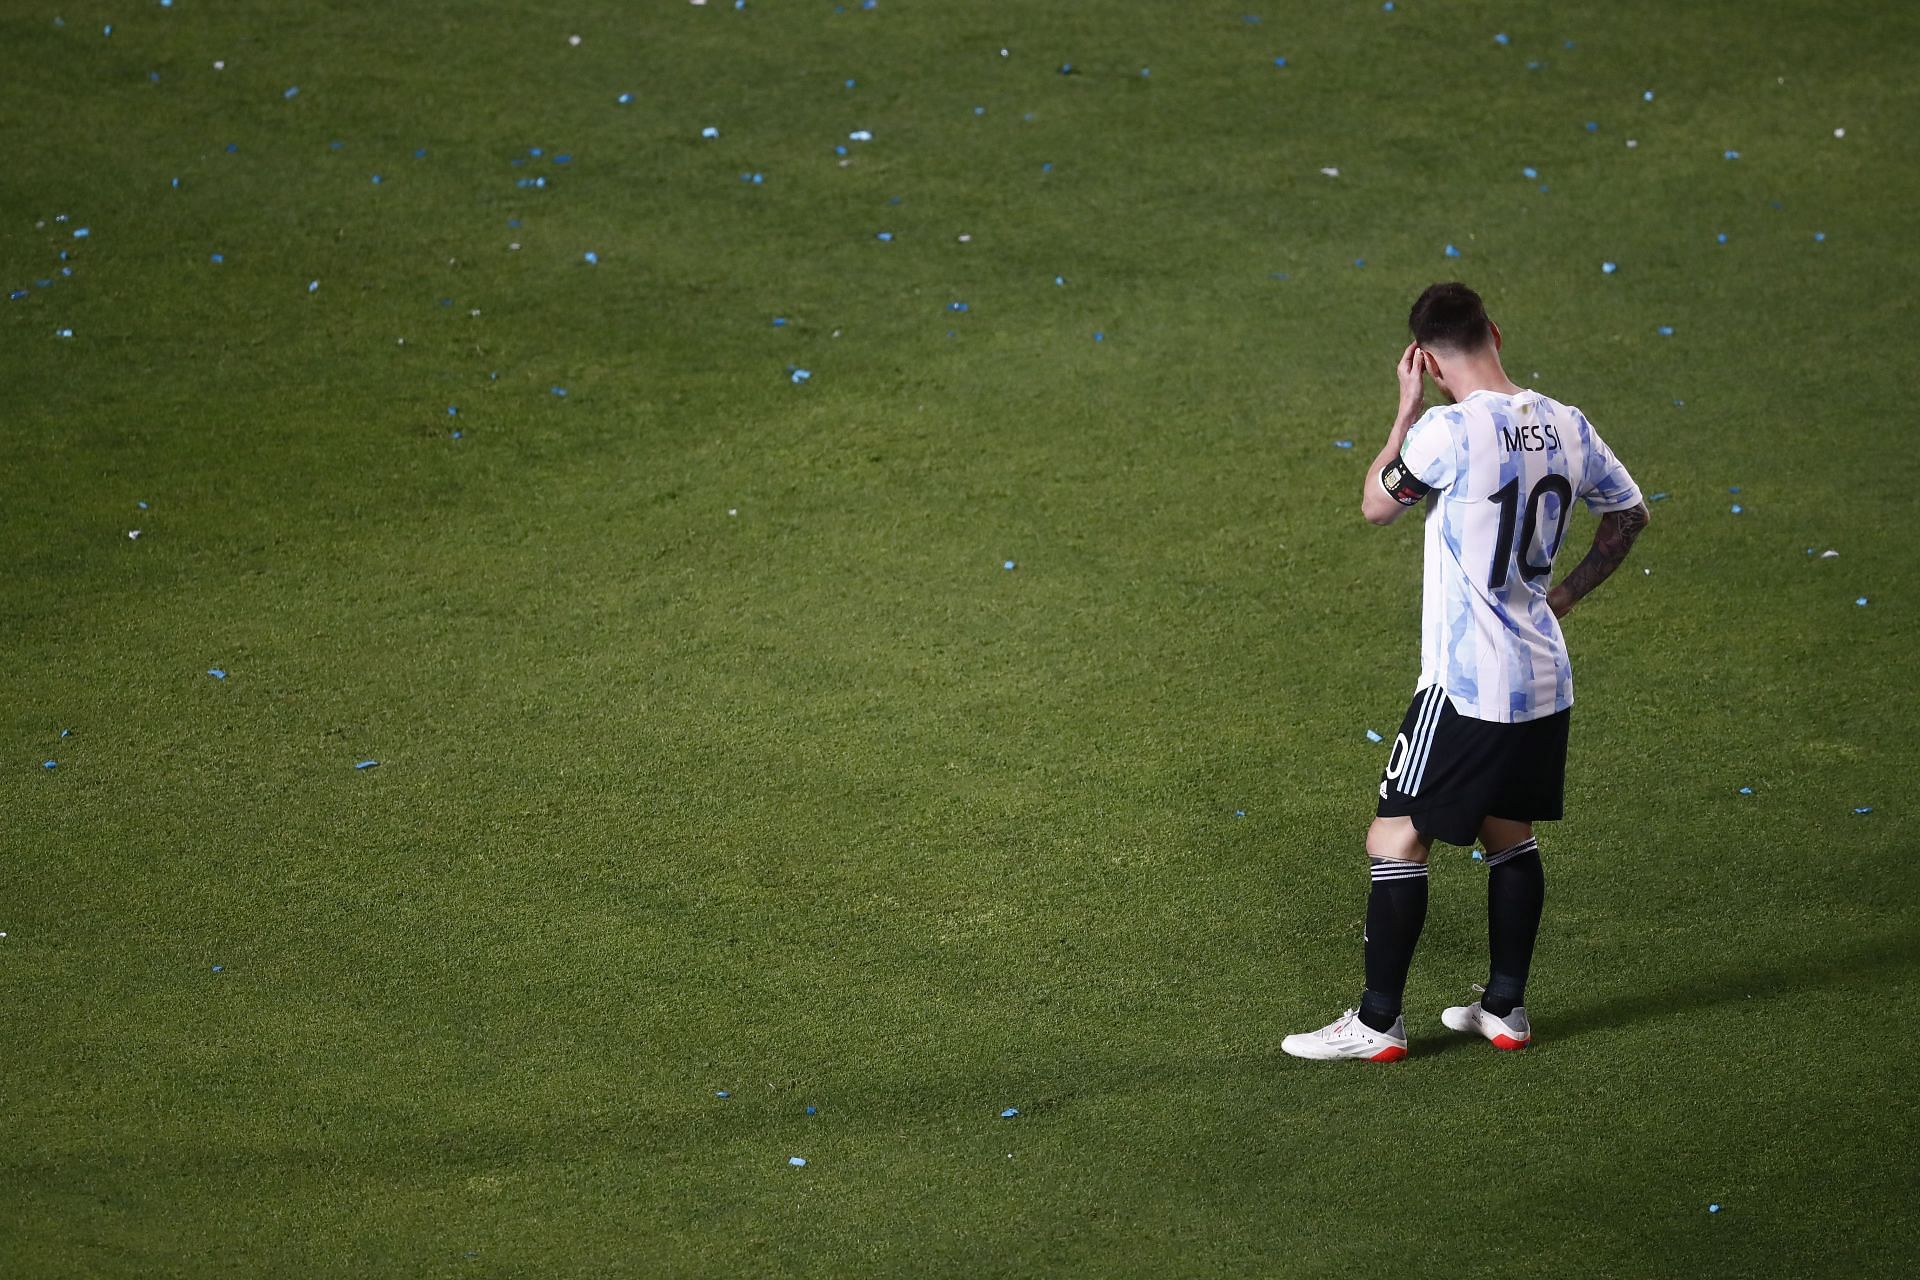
1343	444
1374	736
1746	791
1608	268
1010	1113
1865	808
1008	565
49	764
368	764
1452	252
1737	508
801	375
721	1093
1862	602
797	1161
216	673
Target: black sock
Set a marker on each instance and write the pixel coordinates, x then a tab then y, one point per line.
1396	909
1516	890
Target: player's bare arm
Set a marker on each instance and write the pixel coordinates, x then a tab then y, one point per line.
1376	503
1611	542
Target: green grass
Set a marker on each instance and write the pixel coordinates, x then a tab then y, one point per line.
815	803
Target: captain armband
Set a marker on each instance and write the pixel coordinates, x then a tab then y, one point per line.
1401	484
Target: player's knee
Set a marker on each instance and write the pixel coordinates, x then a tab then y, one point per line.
1396	838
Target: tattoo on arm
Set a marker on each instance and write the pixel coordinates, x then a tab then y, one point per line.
1611	542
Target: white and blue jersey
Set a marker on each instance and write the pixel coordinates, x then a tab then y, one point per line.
1504	472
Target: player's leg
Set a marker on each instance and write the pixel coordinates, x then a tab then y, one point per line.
1516	893
1396	912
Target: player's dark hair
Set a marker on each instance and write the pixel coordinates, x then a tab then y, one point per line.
1450	316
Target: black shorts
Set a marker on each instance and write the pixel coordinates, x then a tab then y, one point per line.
1448	771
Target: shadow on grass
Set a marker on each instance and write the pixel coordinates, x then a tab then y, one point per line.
1863	962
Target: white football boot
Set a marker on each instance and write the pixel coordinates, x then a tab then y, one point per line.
1510	1032
1348	1037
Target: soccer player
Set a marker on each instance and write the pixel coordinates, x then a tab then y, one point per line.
1482	751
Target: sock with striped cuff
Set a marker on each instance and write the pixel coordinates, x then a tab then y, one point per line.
1516	891
1396	911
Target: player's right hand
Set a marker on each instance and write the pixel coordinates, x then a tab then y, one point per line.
1413	362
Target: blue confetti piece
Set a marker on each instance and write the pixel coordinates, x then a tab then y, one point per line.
1099	335
1608	268
624	99
63	333
1737	508
1647	96
376	179
1452	252
849	84
107	30
759	178
721	1093
1279	62
1861	602
1659	497
1819	236
1713	1208
1047	167
1477	856
216	673
1733	488
453	410
419	153
1359	262
292	91
1502	39
802	375
779	321
559	391
16	295
1865	808
564	158
80	233
1665	331
797	1162
979	111
1010	1113
1528	171
1008	565
1066	68
1746	791
1593	126
49	764
456	435
1730	155
218	968
883	235
1060	280
218	257
1239	813
710	132
313	286
176	184
1145	72
1372	736
368	764
535	152
811	1110
958	306
593	259
67	733
1721	238
840	149
232	147
1343	444
1387	7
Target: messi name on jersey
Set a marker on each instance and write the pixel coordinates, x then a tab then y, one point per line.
1529	437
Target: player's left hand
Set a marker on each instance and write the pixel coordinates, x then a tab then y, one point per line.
1413	363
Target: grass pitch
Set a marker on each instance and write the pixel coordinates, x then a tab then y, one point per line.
717	751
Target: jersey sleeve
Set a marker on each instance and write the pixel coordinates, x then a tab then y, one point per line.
1605	486
1429	450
